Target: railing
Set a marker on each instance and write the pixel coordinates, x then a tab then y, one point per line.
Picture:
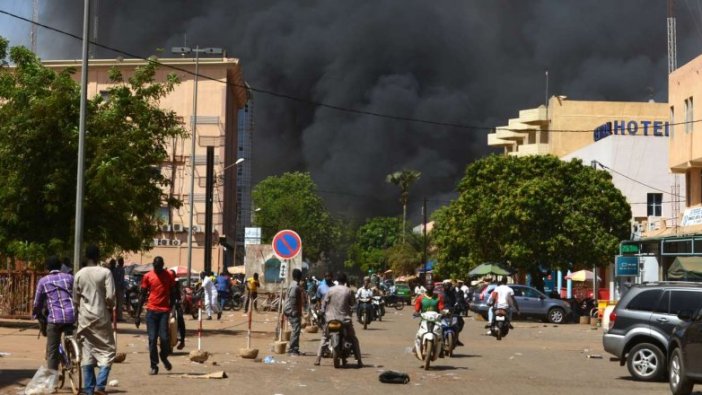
17	293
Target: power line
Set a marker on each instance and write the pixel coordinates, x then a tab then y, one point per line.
637	181
300	99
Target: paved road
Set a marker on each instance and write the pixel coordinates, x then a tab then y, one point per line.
535	358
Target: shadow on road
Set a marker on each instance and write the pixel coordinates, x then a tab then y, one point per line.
466	356
445	367
10	377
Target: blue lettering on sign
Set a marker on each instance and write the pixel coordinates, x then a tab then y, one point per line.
631	128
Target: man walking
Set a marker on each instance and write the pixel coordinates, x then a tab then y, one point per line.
94	298
54	292
337	305
210	296
159	284
223	285
118	276
293	311
252	285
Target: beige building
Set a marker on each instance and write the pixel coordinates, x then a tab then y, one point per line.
568	125
221	94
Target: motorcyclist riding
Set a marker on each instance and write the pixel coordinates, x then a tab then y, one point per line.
336	305
502	298
428	301
454	303
365	292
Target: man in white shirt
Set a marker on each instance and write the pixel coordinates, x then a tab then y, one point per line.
365	292
419	290
503	298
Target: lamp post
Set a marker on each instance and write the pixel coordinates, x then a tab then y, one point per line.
197	51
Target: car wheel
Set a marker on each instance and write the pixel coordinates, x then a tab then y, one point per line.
645	362
556	315
680	384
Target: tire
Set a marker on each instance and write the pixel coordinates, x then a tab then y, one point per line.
680	384
74	373
428	353
556	316
227	305
237	304
364	319
399	304
645	362
450	341
193	312
380	317
498	333
337	359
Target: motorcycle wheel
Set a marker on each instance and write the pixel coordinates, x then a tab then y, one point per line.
428	353
399	304
227	305
498	333
237	304
193	312
449	345
380	316
337	359
364	318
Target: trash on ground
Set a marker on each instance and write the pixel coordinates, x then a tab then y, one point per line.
392	377
215	375
268	359
595	356
43	382
113	383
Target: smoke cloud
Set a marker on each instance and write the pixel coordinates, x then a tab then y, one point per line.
468	62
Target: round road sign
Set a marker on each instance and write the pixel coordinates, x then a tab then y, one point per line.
287	244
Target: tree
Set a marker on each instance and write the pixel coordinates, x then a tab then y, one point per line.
125	147
371	240
290	201
404	180
531	212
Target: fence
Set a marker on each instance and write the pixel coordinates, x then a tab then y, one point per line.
17	293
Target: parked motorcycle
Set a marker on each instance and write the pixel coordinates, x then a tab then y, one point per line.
365	312
428	343
379	307
499	327
339	346
133	298
393	300
449	328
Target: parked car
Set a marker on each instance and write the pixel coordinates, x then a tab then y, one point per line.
642	322
685	353
532	303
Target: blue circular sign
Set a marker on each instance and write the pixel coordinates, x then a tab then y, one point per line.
287	244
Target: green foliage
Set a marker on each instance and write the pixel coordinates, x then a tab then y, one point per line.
125	147
291	201
372	239
527	211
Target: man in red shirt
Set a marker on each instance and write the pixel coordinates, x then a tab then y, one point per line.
160	287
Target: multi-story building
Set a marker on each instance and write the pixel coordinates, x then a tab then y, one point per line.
221	95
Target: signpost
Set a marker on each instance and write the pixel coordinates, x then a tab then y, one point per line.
626	266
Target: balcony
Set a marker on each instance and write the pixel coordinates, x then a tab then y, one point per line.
494	141
532	149
534	116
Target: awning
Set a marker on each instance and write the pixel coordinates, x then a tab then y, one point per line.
686	268
236	269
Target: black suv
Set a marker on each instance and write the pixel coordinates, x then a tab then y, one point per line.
685	353
642	322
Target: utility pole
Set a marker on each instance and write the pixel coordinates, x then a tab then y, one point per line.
35	19
672	38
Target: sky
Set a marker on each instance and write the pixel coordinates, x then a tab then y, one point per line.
468	62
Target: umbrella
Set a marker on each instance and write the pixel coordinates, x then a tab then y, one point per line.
236	269
581	275
490	268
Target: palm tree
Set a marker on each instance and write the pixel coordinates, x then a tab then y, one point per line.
404	180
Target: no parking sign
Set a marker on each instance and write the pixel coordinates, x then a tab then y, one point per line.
287	245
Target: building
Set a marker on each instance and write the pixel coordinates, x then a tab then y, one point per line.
245	137
221	96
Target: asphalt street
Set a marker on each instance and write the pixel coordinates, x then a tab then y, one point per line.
536	358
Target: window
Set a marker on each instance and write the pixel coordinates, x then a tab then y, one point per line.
531	293
685	300
672	122
654	203
689	114
645	301
664	304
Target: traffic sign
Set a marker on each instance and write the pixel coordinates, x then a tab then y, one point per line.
283	269
287	244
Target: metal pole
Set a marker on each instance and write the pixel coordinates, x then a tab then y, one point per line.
192	164
424	232
78	235
208	208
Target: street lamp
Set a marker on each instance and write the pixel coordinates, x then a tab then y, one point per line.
197	51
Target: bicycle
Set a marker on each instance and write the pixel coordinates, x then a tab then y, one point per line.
69	363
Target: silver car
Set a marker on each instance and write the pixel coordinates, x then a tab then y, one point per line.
532	303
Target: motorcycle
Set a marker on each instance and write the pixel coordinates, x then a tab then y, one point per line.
133	298
428	344
365	315
196	296
393	300
379	307
339	345
449	328
499	327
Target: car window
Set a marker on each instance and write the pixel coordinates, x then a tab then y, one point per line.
518	291
646	300
684	300
663	305
531	293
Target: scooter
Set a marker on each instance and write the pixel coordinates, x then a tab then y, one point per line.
449	328
379	307
365	315
340	346
428	343
499	327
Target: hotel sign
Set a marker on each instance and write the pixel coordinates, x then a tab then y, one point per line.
632	128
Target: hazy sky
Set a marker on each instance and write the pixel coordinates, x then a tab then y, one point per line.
471	62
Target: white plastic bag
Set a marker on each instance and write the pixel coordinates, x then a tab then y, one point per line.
43	382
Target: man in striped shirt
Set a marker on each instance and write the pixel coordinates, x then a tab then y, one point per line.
54	294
